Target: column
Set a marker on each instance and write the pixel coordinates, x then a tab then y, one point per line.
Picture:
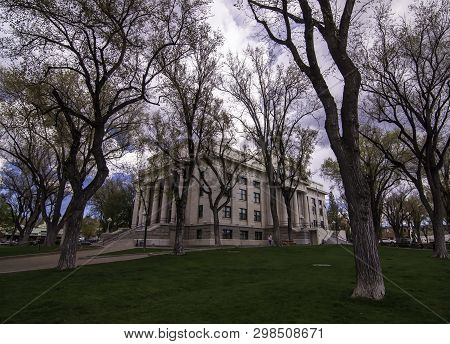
306	210
155	203
164	203
135	211
295	212
141	208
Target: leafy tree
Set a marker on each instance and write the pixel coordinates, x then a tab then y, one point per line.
337	217
416	214
24	199
89	227
94	62
6	218
114	200
396	212
27	136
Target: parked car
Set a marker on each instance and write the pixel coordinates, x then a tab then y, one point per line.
389	242
84	243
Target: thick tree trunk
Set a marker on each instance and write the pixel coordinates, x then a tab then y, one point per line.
287	202
439	247
217	241
274	211
438	215
52	233
398	235
369	278
376	217
417	233
178	248
26	235
72	228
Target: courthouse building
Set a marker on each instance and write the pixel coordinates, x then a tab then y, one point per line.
246	220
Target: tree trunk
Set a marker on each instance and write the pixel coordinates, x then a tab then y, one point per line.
217	241
398	235
287	202
376	216
369	278
145	232
439	247
52	233
274	211
437	216
25	236
72	228
178	248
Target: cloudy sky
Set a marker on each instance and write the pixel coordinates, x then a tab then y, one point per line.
239	31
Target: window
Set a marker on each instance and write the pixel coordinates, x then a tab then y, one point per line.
315	223
320	202
257	197
258	235
227	234
256	184
242	214
227	212
199	233
244	235
257	216
243	194
242	180
322	224
321	211
201	191
200	211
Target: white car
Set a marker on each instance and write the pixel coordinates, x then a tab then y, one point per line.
388	241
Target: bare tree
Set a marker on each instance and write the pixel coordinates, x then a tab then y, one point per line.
271	96
293	25
26	136
407	76
380	174
22	196
416	215
395	211
219	163
295	146
188	96
97	62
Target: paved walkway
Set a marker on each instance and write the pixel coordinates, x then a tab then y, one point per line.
84	257
50	261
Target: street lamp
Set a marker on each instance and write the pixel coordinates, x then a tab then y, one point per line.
334	223
109	220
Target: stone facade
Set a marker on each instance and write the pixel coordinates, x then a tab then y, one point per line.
250	196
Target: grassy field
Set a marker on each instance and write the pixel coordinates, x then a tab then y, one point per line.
252	285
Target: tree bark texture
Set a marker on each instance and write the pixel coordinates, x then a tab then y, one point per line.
72	228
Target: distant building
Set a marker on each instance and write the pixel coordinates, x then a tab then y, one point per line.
246	220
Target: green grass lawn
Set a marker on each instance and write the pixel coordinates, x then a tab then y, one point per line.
252	285
25	249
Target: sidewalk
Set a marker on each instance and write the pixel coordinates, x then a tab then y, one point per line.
84	257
